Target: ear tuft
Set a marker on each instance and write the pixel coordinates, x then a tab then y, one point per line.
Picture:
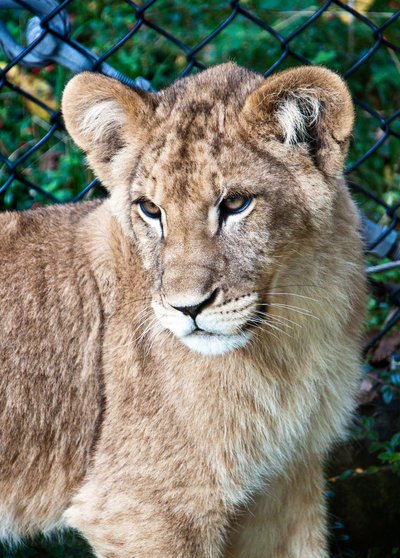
102	120
310	106
102	116
296	117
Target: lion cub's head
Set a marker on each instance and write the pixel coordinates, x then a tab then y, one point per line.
219	179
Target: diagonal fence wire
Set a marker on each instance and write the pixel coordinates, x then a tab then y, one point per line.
49	42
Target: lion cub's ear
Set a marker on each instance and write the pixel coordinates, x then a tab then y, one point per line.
309	106
102	115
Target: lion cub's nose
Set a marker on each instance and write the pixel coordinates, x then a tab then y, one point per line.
195	309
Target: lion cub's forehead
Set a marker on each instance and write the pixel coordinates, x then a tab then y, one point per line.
180	171
188	153
194	132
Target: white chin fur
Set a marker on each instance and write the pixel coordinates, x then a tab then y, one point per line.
212	344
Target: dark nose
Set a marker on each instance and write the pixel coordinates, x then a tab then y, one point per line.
193	311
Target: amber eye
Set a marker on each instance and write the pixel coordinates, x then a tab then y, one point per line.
235	203
150	209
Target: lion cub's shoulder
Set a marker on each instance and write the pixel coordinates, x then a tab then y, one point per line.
32	225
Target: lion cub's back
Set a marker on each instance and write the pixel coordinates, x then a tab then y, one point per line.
50	327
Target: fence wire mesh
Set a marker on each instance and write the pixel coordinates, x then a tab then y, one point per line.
165	40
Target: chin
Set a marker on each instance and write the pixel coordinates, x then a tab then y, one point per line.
212	344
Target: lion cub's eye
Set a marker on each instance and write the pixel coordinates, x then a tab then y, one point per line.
235	203
150	209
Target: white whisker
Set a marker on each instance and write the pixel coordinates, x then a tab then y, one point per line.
280	318
282	323
257	334
299	310
275	327
147	330
152	337
131	341
293	294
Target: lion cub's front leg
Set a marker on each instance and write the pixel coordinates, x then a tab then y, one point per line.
121	522
287	521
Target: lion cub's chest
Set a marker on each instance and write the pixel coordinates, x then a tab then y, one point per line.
237	420
247	424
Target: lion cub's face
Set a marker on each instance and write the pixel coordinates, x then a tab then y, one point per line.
221	178
212	219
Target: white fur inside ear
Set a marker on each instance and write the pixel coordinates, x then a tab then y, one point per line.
296	115
102	119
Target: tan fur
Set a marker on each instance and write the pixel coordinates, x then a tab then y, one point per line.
109	422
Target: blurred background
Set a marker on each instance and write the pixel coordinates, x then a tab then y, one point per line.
43	43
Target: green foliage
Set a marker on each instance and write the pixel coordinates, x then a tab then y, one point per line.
386	452
69	545
99	24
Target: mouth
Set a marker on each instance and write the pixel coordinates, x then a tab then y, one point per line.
213	344
209	333
209	343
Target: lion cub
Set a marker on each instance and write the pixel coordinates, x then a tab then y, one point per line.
177	359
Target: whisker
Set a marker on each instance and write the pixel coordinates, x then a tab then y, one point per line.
153	322
297	309
258	326
283	305
131	341
257	322
294	294
154	328
129	302
144	320
280	286
279	318
146	309
282	323
257	334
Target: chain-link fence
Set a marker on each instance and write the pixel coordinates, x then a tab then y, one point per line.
43	43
